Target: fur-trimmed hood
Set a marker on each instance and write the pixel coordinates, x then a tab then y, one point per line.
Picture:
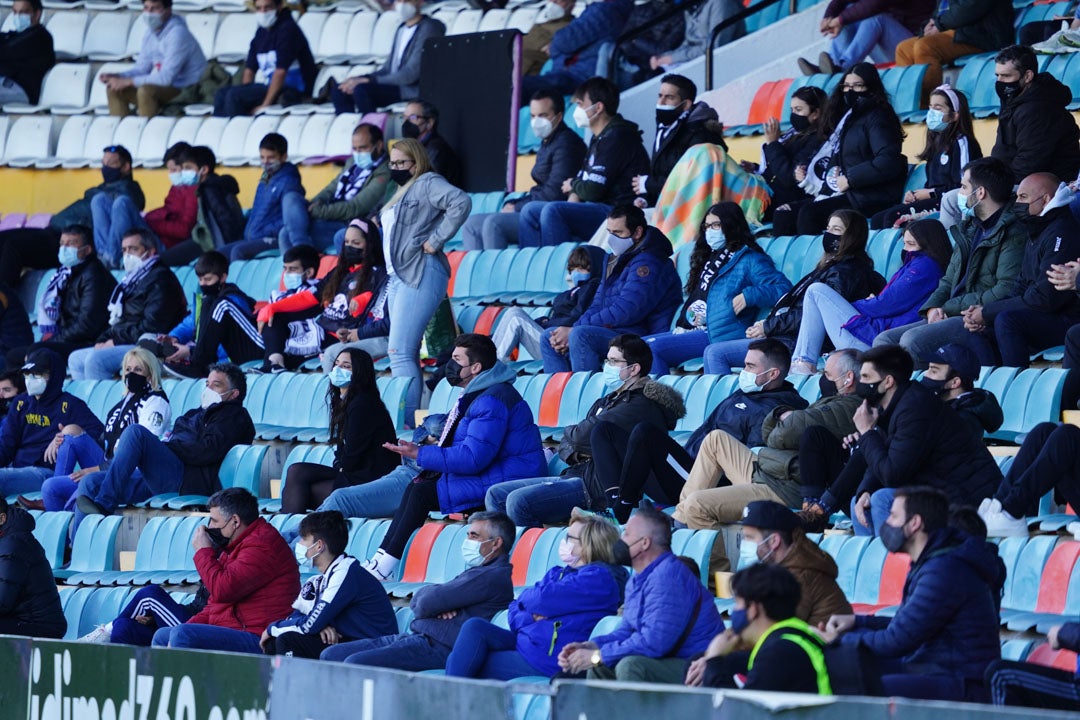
668	398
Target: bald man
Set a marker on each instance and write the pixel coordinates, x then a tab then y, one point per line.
1006	332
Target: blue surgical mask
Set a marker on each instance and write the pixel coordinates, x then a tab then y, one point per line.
20	21
189	177
305	562
715	238
362	159
470	551
962	201
340	377
935	120
580	276
747	553
292	280
739	620
68	256
612	376
748	381
619	245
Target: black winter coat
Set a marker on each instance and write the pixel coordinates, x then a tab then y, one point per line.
28	594
359	453
218	200
84	301
741	415
559	157
919	440
201	439
781	159
853	277
980	410
444	160
1036	133
25	57
15	330
872	158
986	24
702	125
155	305
943	172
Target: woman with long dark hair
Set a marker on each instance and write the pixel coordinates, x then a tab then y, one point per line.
784	157
825	313
359	425
731	279
861	164
950	145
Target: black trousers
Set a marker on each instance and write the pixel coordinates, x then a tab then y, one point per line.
637	463
27	248
1070	393
16	357
275	336
183	253
1030	685
821	458
11	626
296	644
419	499
308	484
1048	460
1037	32
231	328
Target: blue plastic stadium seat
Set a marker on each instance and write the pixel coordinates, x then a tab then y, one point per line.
847	562
94	546
51	530
1022	585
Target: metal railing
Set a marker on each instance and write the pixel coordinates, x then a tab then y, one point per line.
729	22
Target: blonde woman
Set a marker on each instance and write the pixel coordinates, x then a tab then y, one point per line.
144	403
424	213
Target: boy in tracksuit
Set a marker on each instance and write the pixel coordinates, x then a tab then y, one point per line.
28	434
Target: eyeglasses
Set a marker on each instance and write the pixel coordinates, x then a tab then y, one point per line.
414	117
613	361
712	226
400	164
857	87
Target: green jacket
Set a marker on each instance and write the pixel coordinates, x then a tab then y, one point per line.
986	24
992	270
373	194
777	463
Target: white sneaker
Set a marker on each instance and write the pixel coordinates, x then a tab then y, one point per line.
380	565
1074	529
988	507
984	506
101	635
999	523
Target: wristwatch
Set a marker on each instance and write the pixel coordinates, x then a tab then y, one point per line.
595	659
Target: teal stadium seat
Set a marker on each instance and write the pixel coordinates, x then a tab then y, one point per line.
94	546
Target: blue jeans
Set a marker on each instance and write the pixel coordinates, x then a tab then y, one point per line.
142	466
94	364
376	499
207	637
824	313
58	492
238	99
485	650
676	348
401	652
552	223
721	357
248	249
411	309
588	348
16	481
112	219
300	228
877	36
365	98
490	231
880	506
537	501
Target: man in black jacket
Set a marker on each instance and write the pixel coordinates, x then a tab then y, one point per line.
421	122
561	154
905	437
74	309
29	601
1036	132
614	158
680	123
26	54
149	299
1006	332
951	375
187	462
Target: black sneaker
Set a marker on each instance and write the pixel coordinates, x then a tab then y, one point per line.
89	507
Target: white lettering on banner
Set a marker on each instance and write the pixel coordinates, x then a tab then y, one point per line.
137	705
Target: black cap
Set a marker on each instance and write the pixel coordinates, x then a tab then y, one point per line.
961	360
769	515
37	366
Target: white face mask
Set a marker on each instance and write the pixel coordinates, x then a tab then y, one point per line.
153	21
35	384
407	11
470	551
291	281
541	127
20	22
581	116
551	11
566	553
132	262
748	381
208	398
176	178
619	245
266	19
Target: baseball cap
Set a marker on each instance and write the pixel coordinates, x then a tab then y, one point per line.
960	359
769	515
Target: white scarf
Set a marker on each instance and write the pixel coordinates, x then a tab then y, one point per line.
48	311
819	181
116	300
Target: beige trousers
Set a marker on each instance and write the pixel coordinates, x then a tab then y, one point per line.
147	99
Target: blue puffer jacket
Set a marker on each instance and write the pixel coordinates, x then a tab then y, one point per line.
755	276
640	293
496	440
576	48
948	620
569	602
899	302
265	220
659	604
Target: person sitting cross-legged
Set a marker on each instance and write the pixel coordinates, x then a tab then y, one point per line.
341	603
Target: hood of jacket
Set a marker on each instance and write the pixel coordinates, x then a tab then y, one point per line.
654	242
286	170
55	384
1045	88
983	405
808	557
18	520
702	112
981	556
497	373
668	398
596	260
222	183
620	124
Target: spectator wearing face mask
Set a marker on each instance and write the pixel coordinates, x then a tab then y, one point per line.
560	155
267	217
148	300
951	373
280	52
220	219
289	323
11	384
26	54
399	77
420	121
169	60
553	17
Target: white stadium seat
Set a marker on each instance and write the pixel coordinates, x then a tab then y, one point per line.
71	144
292	129
128	133
232	138
98	137
247	152
382	39
358	42
496	19
134	43
334	37
68	28
107	37
234	37
66	84
466	22
210	132
311	24
186	129
524	18
154	142
204	27
29	139
314	140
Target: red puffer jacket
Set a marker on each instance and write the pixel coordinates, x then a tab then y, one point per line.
252	583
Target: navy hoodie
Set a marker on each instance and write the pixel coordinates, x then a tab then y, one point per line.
32	423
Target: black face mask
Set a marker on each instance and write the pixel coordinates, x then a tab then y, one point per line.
935	386
352	255
110	174
855	100
401	176
869	392
799	123
828	387
1023	210
452	369
668	116
217	538
830	242
210	290
409	129
136	384
5	403
621	552
1006	91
